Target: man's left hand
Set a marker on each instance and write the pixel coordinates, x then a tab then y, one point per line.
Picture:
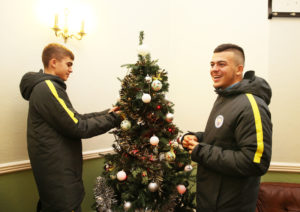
192	144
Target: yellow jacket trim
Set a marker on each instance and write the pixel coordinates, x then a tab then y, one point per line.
259	131
61	101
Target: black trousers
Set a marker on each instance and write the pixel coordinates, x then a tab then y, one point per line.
39	207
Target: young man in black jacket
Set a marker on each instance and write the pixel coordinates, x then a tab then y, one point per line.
235	148
55	129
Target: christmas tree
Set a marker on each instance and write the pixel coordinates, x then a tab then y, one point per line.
150	170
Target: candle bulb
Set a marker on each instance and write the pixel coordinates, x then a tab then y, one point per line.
56	21
82	26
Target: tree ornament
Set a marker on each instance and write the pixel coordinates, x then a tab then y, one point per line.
148	79
144	173
154	140
155	150
112	176
158	107
127	206
188	168
125	125
169	117
181	189
108	167
162	156
156	85
170	156
175	144
143	50
180	164
146	98
121	175
153	186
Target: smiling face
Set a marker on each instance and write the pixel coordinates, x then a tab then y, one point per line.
225	69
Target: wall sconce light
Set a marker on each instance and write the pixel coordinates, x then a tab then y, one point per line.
64	33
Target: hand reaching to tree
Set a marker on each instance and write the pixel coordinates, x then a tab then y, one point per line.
189	142
115	110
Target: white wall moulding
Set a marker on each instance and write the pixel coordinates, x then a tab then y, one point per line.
284	167
25	164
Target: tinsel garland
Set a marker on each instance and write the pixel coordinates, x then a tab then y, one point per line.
104	195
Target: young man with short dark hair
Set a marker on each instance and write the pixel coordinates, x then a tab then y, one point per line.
235	148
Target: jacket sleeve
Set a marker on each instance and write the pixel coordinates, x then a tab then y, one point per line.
90	115
52	103
253	135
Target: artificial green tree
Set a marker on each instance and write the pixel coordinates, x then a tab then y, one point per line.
150	170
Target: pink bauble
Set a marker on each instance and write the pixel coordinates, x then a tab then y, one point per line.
121	175
181	189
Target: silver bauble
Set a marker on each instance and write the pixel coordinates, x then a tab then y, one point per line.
127	206
162	156
169	117
188	168
148	79
125	125
153	186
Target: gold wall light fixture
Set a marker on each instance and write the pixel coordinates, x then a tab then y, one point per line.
64	32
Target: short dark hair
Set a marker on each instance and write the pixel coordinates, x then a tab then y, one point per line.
231	47
57	51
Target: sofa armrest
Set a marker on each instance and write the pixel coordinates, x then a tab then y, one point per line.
278	197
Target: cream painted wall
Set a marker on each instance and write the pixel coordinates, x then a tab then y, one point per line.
181	34
284	72
93	86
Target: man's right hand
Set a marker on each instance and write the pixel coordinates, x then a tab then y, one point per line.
115	109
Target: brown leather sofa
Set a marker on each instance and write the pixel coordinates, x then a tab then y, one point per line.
278	197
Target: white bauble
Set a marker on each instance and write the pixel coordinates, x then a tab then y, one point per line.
121	175
169	117
127	206
148	79
125	125
181	189
143	50
146	98
152	186
188	168
156	85
154	140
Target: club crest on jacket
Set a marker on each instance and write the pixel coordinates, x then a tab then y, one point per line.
219	121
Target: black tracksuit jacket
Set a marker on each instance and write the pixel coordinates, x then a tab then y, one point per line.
54	133
235	149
